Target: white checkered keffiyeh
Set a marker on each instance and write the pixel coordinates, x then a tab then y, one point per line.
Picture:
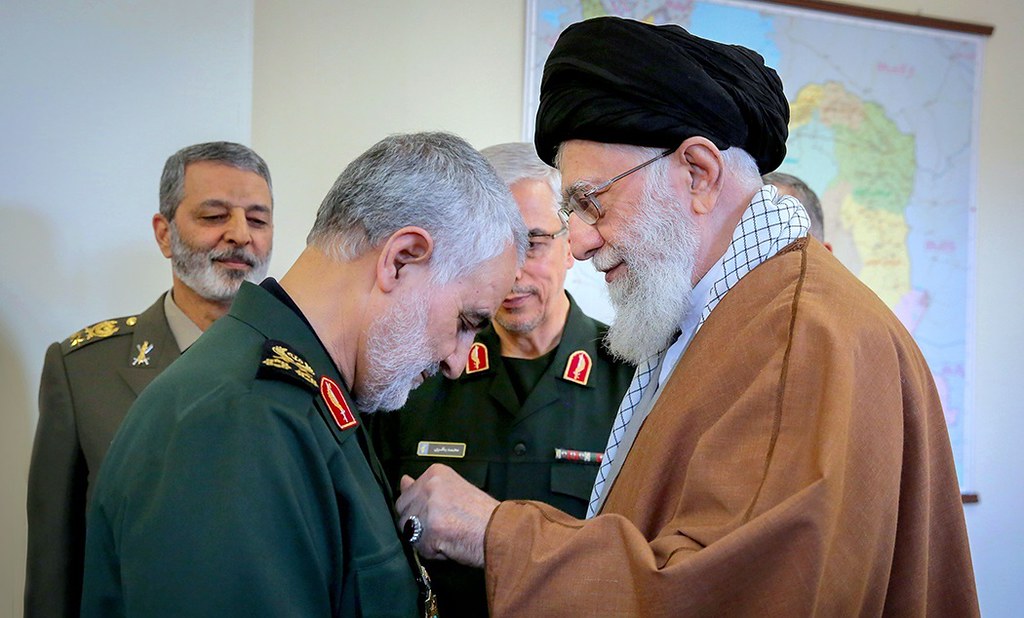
771	222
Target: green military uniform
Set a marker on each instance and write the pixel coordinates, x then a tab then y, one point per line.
88	383
240	485
476	425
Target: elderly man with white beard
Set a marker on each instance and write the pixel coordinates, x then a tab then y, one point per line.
242	481
215	225
782	448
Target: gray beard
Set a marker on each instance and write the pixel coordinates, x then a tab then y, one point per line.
520	327
198	270
398	350
659	248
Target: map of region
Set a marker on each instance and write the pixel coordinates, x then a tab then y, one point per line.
882	128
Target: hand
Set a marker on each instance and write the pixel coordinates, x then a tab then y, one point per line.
454	514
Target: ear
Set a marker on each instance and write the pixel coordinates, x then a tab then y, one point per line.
706	169
162	233
406	251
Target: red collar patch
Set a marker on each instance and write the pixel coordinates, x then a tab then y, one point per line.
578	368
336	403
478	360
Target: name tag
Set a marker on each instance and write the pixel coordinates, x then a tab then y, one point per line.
441	449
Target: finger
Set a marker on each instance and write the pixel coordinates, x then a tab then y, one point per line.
405	482
405	499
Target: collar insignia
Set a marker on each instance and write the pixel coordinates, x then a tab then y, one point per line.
142	358
578	368
478	360
336	403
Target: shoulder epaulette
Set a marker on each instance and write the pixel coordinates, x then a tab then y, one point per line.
278	362
99	331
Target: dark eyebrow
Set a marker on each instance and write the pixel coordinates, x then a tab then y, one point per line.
215	203
478	319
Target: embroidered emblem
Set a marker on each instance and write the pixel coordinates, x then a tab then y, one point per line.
281	363
578	368
336	403
441	449
478	360
96	331
282	358
142	358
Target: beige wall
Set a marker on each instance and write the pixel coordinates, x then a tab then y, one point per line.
334	77
93	98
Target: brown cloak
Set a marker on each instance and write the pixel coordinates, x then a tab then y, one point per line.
797	463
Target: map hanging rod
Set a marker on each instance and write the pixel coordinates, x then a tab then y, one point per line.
885	15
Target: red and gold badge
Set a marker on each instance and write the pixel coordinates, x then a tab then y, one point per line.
578	368
478	360
336	403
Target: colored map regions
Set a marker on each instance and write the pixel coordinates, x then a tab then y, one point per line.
874	177
882	129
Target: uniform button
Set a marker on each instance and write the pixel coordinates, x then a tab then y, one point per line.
519	449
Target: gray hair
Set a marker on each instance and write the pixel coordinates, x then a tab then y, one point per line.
807	197
517	161
435	181
172	181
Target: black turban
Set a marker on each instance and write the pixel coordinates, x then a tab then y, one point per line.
621	81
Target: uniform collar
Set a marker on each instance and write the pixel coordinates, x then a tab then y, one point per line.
184	329
268	309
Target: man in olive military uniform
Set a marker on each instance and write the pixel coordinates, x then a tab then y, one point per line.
241	482
531	416
215	225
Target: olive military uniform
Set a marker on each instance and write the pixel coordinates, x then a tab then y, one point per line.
241	484
88	383
477	425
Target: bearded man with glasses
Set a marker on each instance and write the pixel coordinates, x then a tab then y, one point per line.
529	418
782	449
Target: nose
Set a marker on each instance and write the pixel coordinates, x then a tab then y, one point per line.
584	240
237	231
454	364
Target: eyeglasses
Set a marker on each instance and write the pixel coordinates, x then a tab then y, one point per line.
552	235
539	248
583	196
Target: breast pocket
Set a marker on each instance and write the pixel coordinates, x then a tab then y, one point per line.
573	479
386	588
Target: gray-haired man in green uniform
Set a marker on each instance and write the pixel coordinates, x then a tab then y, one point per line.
215	225
531	415
242	483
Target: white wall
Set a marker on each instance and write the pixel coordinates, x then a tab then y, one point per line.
332	78
93	98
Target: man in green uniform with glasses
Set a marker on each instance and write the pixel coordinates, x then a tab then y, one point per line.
530	417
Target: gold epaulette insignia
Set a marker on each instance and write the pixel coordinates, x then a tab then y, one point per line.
280	362
98	331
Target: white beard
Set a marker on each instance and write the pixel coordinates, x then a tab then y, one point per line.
198	270
398	351
659	248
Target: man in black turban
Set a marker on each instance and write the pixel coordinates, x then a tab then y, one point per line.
619	81
782	448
